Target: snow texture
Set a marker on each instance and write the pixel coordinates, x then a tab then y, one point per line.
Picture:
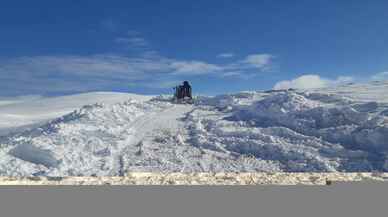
342	129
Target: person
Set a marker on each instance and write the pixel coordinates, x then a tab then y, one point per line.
186	90
178	92
182	91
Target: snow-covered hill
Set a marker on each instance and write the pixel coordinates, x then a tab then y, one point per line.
21	113
337	129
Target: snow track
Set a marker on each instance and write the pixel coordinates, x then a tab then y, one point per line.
147	126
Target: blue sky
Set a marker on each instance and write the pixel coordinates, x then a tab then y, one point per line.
56	48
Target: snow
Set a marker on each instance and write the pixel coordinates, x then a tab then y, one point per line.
21	113
110	134
34	155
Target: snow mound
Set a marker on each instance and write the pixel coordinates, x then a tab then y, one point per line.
292	150
284	103
278	106
28	112
81	139
335	123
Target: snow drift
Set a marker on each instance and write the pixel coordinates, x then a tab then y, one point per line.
342	129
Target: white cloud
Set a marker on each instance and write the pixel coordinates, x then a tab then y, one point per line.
226	55
380	76
303	82
46	74
310	82
194	68
157	84
114	66
260	61
75	73
232	74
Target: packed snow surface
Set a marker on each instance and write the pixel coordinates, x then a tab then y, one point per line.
324	130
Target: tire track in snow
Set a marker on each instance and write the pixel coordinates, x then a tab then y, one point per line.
146	126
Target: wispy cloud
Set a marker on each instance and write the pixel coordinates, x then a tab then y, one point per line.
157	84
194	68
47	74
132	41
226	55
248	67
259	61
232	74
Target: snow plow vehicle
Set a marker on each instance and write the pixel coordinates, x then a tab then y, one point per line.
183	93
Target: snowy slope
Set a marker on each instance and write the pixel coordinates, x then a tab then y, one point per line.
323	130
25	112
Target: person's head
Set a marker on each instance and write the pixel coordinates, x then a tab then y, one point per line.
186	83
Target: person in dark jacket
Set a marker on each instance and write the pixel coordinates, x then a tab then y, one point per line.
186	90
182	91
